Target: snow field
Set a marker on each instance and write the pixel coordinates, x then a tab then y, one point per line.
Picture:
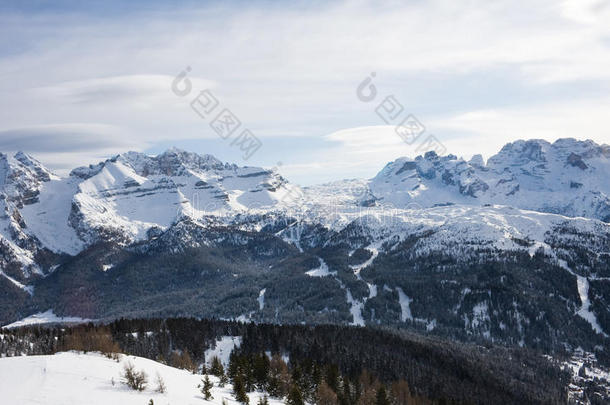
73	378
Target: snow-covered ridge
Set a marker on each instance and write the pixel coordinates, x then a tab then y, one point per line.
73	378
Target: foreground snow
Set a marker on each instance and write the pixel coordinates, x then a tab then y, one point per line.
73	378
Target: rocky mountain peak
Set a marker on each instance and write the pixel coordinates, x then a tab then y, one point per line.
172	162
566	177
21	177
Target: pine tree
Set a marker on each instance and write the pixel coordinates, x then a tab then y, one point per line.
223	380
382	396
234	366
325	395
248	371
346	397
216	367
261	371
205	388
332	377
279	377
401	394
239	390
263	400
316	375
295	397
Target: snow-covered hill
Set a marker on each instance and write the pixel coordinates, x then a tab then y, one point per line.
76	378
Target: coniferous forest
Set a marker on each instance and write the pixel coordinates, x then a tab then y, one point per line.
325	364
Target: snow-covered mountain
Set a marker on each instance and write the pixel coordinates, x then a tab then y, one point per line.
132	196
154	231
567	177
21	179
123	199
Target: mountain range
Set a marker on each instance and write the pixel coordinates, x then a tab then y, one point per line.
513	250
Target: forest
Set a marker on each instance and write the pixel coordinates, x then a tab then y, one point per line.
323	364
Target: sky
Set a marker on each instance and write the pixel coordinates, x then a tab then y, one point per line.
82	81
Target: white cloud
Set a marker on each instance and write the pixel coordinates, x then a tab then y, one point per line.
486	131
61	147
135	91
292	70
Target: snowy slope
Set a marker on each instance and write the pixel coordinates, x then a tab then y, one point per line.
72	378
48	219
222	349
43	318
134	193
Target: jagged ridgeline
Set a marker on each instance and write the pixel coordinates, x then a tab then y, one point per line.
514	250
352	362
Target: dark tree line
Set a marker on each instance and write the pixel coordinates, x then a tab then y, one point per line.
328	364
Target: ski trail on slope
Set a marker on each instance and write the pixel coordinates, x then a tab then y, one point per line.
320	271
405	302
355	309
583	292
356	306
261	299
27	288
374	249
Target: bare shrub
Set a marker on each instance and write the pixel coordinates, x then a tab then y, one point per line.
136	380
161	387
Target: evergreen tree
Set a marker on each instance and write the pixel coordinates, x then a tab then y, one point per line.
248	371
239	390
233	369
205	387
316	375
325	395
295	397
332	377
263	400
261	371
216	367
346	396
223	380
382	396
401	394
279	377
